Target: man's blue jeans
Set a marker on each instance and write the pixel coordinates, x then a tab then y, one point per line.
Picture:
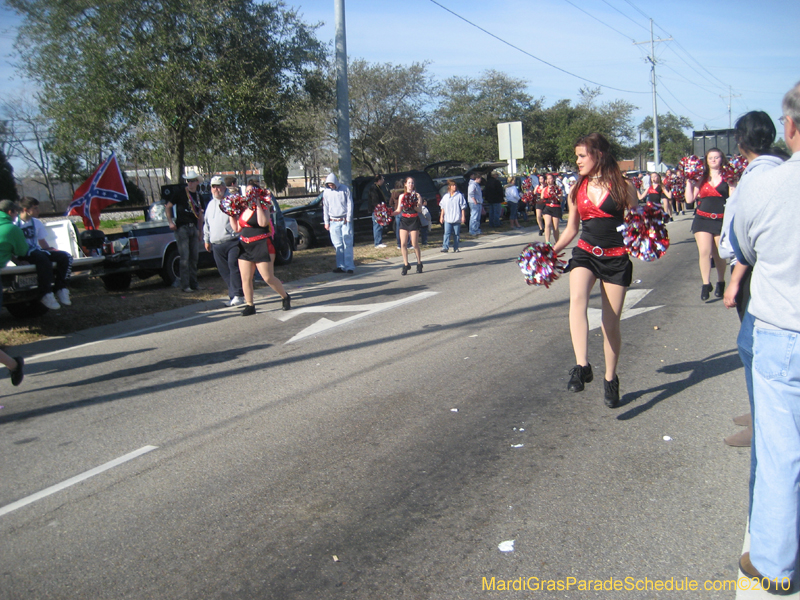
342	240
495	210
775	518
189	250
377	231
451	229
745	343
474	218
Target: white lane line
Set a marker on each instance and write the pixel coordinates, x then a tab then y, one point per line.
77	479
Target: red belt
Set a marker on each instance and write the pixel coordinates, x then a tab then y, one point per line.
248	240
553	205
710	215
598	251
410	216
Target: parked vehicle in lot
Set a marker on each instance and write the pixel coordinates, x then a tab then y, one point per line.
151	249
310	220
21	292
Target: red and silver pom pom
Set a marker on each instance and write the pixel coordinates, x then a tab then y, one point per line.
382	214
637	182
734	170
259	196
539	264
692	166
527	184
410	201
644	233
677	185
233	205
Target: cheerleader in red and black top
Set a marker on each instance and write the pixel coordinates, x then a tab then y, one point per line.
551	213
256	251
409	205
711	193
539	202
658	195
598	203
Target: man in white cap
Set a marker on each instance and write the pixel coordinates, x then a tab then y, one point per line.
223	242
188	228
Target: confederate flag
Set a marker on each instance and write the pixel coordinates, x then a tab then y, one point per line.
103	188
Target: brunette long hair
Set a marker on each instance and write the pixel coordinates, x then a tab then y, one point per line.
599	149
706	170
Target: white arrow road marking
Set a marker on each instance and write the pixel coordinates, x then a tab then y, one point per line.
632	298
363	310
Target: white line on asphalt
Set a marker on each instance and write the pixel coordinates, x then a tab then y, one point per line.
77	479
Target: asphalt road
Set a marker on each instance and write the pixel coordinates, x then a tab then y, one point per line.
381	443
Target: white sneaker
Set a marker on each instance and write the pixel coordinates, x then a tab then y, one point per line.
381	246
49	300
63	297
236	301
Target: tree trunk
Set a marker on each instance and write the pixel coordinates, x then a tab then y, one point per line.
178	155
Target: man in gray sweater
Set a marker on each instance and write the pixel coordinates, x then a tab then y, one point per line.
765	229
337	212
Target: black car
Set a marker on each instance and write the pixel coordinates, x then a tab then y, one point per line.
311	224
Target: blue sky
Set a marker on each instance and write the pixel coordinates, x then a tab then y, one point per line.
751	50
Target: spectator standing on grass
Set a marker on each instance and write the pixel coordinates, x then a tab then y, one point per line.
452	216
493	193
12	244
475	199
765	225
223	242
188	228
42	255
512	201
337	210
375	197
425	222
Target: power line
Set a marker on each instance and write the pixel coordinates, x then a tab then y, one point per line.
626	16
599	21
507	43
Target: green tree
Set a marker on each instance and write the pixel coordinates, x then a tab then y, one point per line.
673	143
388	118
465	122
195	67
8	187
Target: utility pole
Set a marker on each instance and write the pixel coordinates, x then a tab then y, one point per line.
342	96
652	60
731	96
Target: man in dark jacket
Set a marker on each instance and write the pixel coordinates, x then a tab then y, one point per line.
375	197
494	196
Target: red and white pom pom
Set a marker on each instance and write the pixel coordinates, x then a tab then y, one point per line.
382	214
528	197
644	233
527	184
259	196
233	205
637	182
692	166
677	185
539	264
734	170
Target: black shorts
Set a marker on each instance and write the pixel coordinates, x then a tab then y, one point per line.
712	226
617	270
410	223
256	252
553	211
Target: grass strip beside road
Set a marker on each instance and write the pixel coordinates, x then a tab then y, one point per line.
93	306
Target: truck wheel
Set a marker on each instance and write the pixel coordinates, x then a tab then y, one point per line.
304	238
284	256
27	310
117	281
172	267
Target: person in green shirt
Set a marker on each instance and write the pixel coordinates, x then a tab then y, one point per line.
12	243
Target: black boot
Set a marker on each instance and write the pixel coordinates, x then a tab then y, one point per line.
419	267
287	302
250	309
611	392
720	291
705	291
405	269
578	376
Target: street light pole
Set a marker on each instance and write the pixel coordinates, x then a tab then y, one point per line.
342	96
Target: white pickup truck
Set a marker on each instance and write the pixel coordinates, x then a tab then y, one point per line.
20	286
